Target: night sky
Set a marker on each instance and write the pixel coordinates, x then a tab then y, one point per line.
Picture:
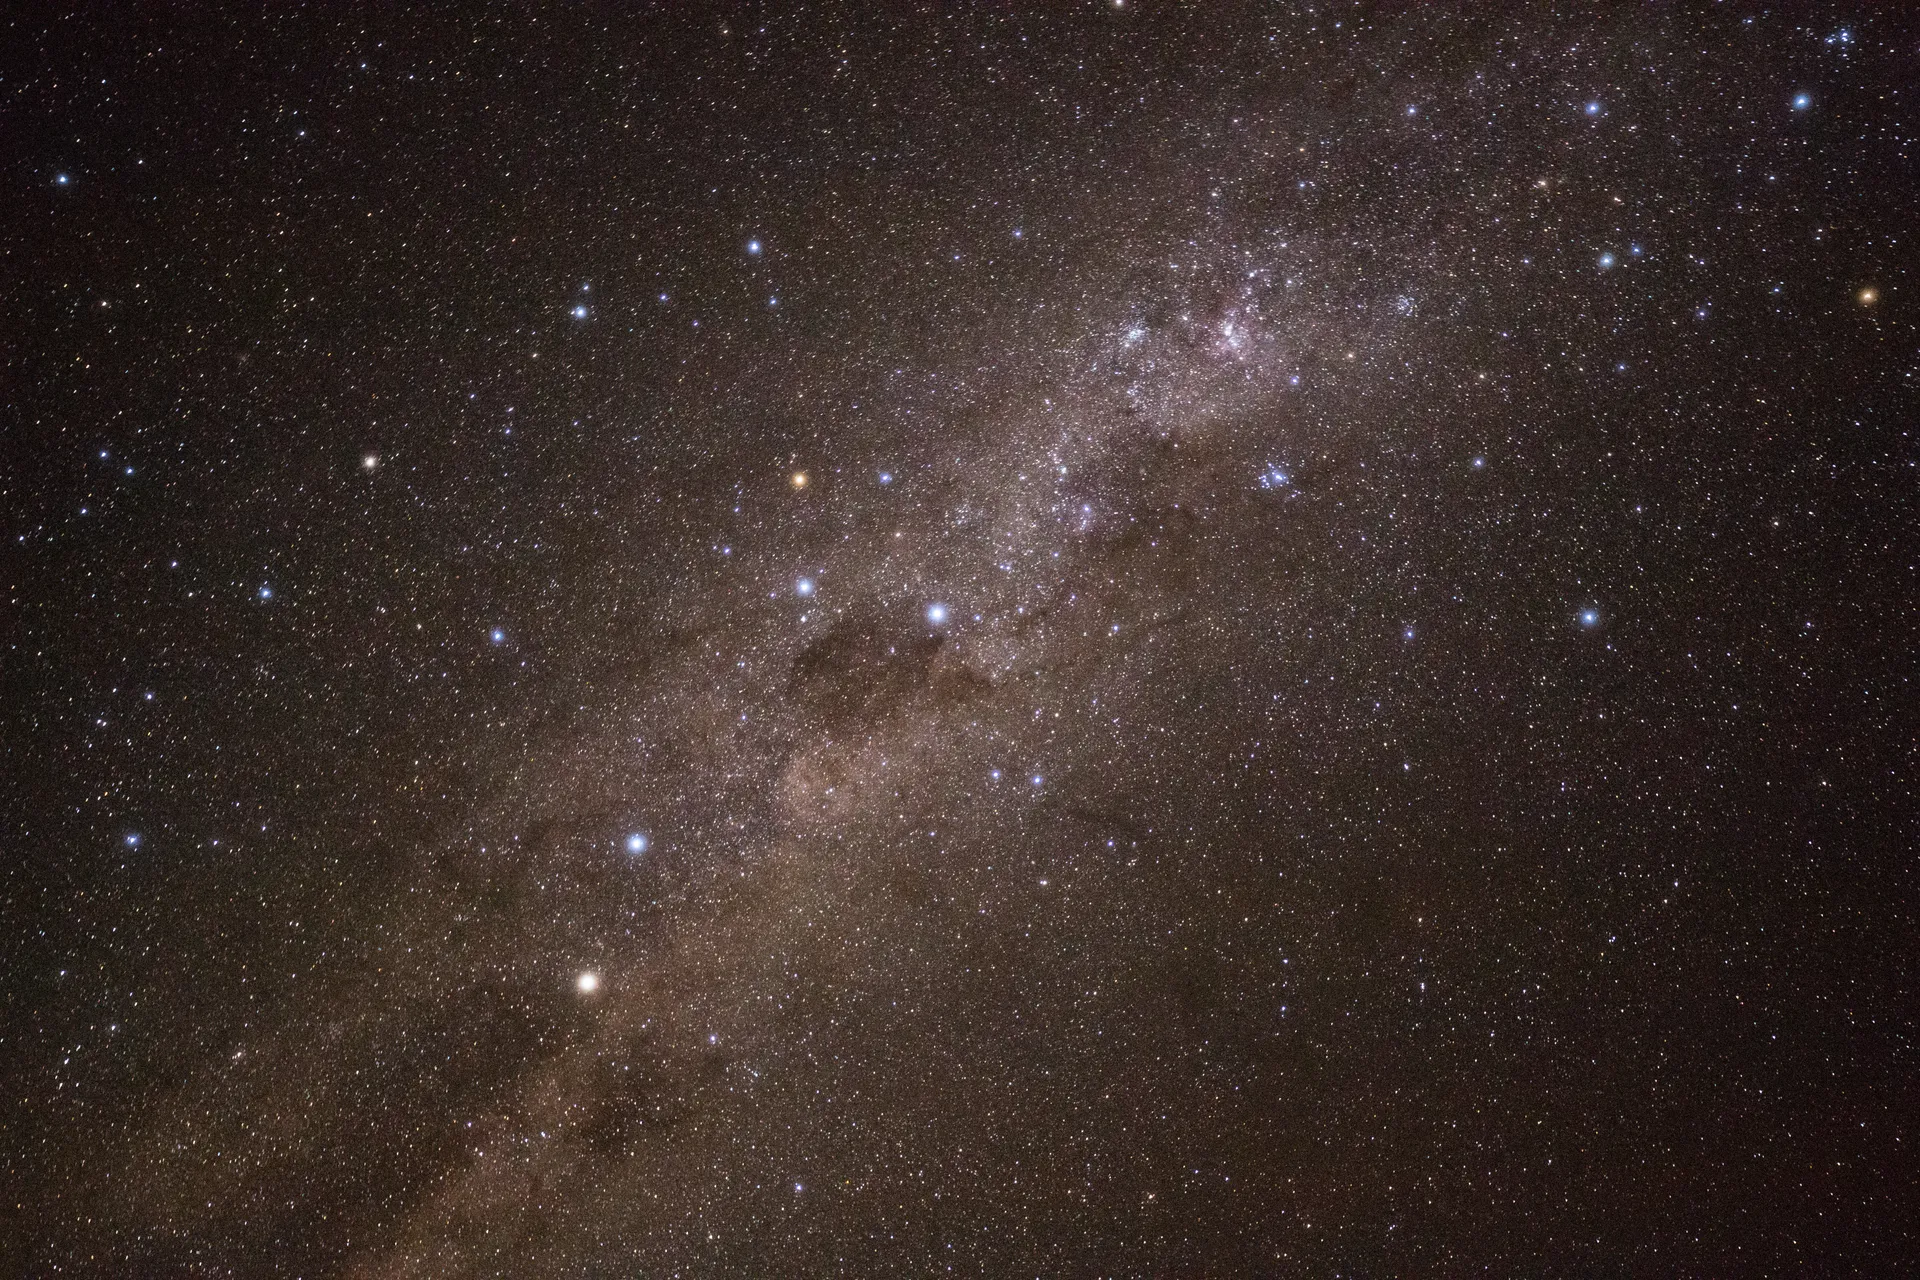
1117	639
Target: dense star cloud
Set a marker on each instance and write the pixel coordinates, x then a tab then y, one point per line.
1107	639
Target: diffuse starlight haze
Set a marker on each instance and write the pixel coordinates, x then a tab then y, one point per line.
1104	639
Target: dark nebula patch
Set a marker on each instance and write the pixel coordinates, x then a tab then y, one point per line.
866	668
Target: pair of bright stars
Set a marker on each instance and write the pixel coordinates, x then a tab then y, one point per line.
588	982
937	614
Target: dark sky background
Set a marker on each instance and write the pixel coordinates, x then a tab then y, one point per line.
1090	639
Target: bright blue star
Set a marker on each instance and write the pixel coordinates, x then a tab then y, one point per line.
804	587
937	614
1037	780
637	843
266	593
1589	617
1593	108
886	477
753	248
62	179
1606	260
133	839
580	312
1479	464
1801	101
497	636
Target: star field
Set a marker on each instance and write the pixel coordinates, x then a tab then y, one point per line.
1110	639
